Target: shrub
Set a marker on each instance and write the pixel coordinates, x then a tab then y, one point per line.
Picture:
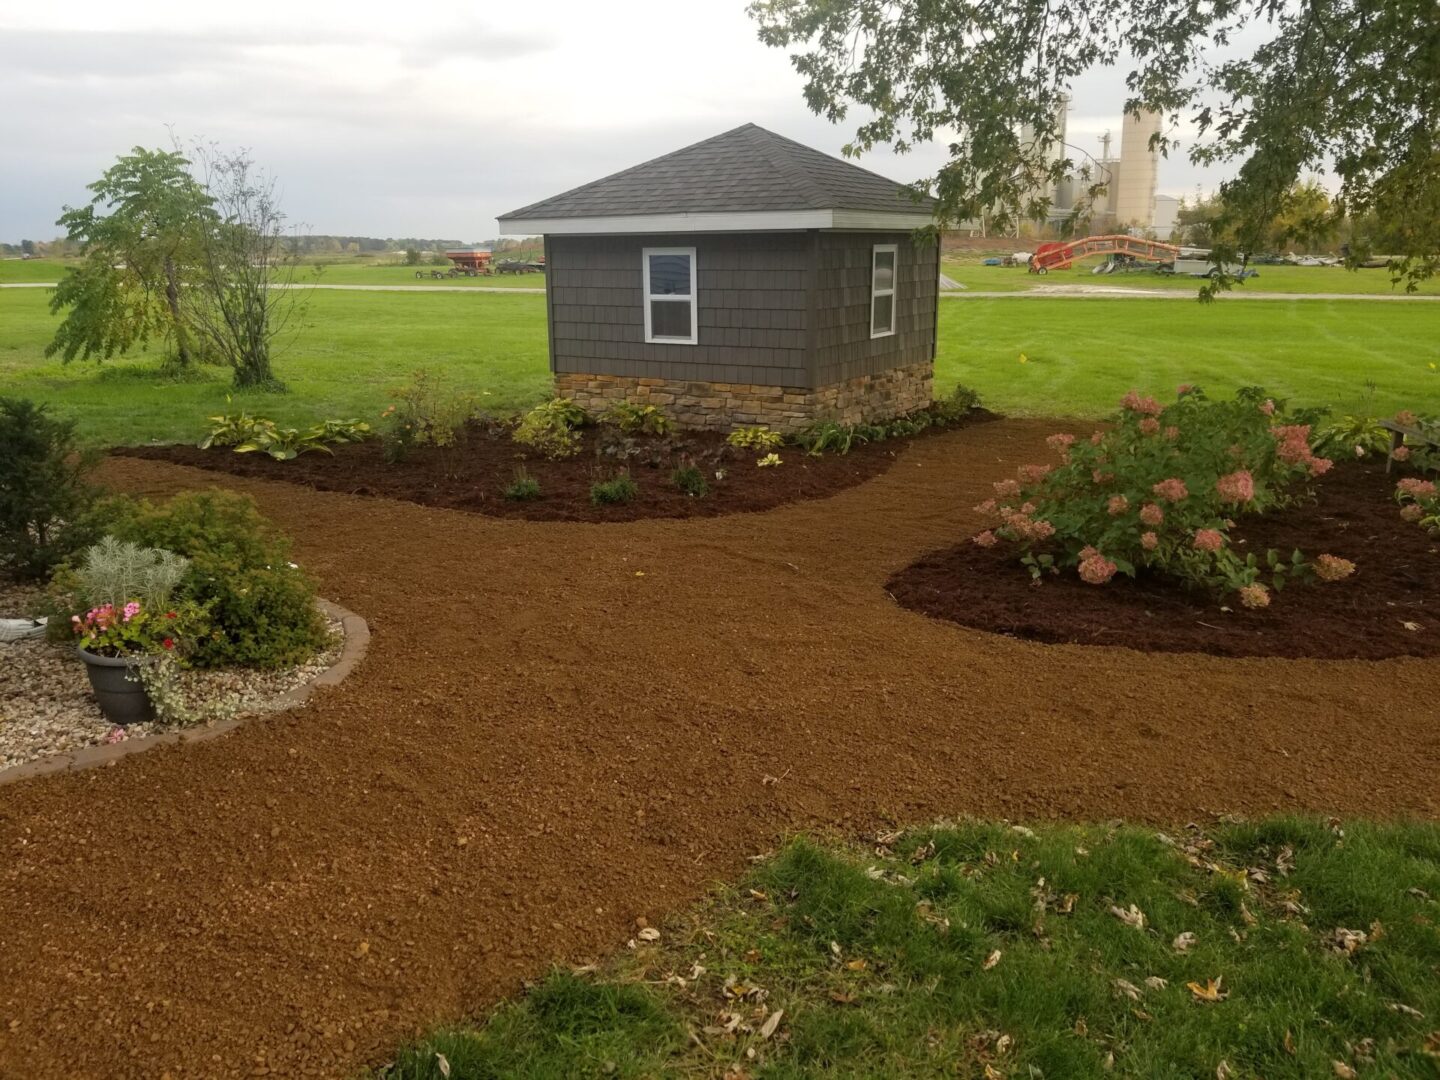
961	402
43	496
1160	491
1419	501
261	606
828	436
523	488
425	412
620	488
635	419
690	480
755	438
116	571
550	428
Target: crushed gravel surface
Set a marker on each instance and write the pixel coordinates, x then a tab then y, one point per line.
46	706
561	728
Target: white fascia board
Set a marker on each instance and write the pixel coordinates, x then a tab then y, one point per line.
750	221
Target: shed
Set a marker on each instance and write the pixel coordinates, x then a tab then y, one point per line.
747	279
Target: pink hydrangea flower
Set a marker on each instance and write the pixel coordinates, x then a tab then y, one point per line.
1007	488
1401	453
1097	570
1209	539
1183	389
1333	568
1060	443
1236	487
1268	407
1117	505
1405	418
1088	552
1133	402
1411	512
1255	596
986	539
1149	426
1033	474
1097	438
1415	488
1172	433
117	734
1151	514
987	507
1294	440
1319	466
1100	476
1149	541
1171	490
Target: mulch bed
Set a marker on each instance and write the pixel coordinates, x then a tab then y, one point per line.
473	475
1389	607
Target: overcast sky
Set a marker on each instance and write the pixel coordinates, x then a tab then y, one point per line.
413	118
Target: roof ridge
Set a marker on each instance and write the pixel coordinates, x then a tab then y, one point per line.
900	186
786	164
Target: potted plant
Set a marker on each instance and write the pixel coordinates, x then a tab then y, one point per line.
128	620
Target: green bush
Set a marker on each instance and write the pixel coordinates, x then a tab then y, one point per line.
619	489
261	606
550	428
523	488
827	436
635	419
425	412
43	496
689	479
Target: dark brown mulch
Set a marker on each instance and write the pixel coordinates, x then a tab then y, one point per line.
1397	582
473	475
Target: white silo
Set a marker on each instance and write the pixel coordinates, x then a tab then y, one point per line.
1139	170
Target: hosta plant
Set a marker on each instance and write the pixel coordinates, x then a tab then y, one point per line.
755	438
1160	491
550	428
635	419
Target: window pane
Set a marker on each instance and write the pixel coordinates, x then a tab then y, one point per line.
884	270
884	320
669	275
670	318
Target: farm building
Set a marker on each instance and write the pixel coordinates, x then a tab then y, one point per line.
746	279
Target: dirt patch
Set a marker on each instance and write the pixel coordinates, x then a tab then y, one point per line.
1389	607
474	475
560	729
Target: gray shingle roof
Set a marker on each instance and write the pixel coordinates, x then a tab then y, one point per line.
746	169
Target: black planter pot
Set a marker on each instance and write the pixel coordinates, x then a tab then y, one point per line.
118	688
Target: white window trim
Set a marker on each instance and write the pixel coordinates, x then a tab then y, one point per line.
693	299
894	250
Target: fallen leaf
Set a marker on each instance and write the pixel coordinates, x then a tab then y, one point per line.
1155	982
1285	861
841	998
756	894
442	1063
768	1028
649	933
1222	1071
1003	1044
1210	991
1289	1043
857	965
1183	942
1404	1010
1125	988
1347	941
835	948
1067	903
1412	627
1345	1072
991	960
1081	1028
1419	894
1131	916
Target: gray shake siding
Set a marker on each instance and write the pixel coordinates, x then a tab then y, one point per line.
778	309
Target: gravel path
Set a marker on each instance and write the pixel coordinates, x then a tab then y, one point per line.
46	706
561	728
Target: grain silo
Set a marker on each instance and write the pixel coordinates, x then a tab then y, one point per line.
1139	168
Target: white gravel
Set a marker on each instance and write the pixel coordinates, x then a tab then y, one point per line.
46	706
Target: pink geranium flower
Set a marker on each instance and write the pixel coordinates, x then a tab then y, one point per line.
1151	514
1255	596
1097	570
1117	505
1171	490
1209	539
130	611
1236	487
1333	568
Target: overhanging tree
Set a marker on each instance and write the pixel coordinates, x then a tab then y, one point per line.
137	238
1350	87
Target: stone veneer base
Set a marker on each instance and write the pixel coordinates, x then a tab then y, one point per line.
719	406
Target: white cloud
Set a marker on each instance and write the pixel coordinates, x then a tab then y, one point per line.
404	119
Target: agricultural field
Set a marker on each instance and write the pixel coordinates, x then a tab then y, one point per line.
341	271
1060	356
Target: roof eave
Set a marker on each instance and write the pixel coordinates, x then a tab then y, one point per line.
720	221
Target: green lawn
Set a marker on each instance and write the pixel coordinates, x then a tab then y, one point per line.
1281	279
1282	949
1082	354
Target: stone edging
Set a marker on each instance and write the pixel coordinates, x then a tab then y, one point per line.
357	641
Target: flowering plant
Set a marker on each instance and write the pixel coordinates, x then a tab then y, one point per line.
1419	501
1160	491
131	629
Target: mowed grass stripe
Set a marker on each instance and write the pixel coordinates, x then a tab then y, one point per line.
1081	355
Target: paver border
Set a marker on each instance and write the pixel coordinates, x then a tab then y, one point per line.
352	651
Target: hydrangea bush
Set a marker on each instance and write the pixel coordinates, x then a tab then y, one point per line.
1160	491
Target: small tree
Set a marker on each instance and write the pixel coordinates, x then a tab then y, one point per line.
412	256
137	236
43	497
245	296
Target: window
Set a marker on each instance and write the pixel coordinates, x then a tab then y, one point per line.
883	259
670	292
